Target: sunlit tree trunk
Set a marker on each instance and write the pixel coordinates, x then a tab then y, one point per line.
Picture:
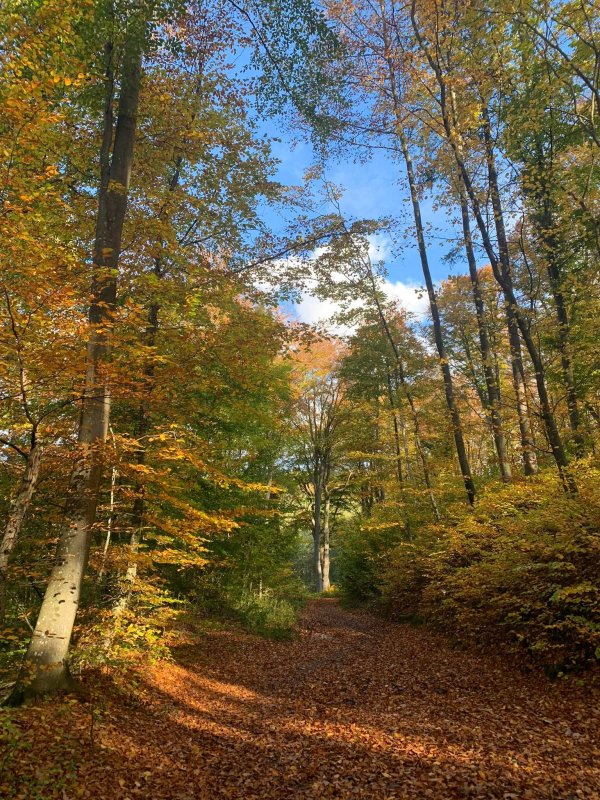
457	430
564	345
325	548
543	219
500	264
316	531
45	667
398	451
401	379
19	505
390	393
515	321
518	369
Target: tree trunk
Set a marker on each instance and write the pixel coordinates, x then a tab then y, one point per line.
318	566
325	584
552	431
409	472
45	667
566	360
19	506
405	388
518	370
501	269
500	265
16	515
545	224
143	423
399	471
492	404
457	430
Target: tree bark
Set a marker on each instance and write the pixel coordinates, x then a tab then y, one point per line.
399	471
544	221
19	506
459	443
316	532
529	460
325	561
45	668
457	430
16	515
398	449
518	370
500	264
493	399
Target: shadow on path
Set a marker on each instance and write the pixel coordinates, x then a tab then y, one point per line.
354	707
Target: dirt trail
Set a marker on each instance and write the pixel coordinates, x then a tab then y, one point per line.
354	707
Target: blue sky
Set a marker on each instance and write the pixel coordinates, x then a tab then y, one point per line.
372	189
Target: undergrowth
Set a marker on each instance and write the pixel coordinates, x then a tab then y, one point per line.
520	573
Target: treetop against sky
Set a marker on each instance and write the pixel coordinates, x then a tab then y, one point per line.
372	188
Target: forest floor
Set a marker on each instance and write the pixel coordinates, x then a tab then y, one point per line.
353	707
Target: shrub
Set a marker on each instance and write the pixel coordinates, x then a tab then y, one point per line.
521	571
266	614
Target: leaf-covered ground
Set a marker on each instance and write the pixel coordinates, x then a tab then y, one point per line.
354	707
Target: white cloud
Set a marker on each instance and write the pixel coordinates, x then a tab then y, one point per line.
411	296
315	311
312	310
379	247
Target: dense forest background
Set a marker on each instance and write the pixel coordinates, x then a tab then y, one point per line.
175	443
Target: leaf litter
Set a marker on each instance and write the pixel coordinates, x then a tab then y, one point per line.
353	707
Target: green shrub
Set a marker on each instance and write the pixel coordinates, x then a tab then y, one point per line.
521	571
266	614
363	550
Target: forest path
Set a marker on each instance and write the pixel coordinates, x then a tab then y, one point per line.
354	707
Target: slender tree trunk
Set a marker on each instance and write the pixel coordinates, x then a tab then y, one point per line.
401	379
45	667
457	430
418	441
459	442
325	584
552	431
493	400
396	431
143	422
500	266
566	360
471	368
141	431
518	369
406	389
318	566
404	435
111	517
399	471
16	516
546	227
19	506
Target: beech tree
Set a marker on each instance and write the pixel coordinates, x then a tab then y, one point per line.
319	417
144	31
